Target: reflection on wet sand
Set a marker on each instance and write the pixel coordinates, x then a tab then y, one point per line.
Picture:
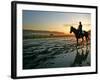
54	53
81	56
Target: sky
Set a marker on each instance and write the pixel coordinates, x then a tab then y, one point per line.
55	21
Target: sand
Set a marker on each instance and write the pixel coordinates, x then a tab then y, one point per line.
55	53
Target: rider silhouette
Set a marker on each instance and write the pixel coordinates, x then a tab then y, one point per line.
80	28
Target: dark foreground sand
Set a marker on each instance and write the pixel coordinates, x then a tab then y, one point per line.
54	53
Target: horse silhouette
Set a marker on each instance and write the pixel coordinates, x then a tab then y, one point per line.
78	36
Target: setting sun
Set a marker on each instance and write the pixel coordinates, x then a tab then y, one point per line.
55	21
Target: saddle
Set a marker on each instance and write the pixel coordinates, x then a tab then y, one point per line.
80	33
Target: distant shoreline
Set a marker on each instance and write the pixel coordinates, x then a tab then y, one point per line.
44	31
38	37
33	34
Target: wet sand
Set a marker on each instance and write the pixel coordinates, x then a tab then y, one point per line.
54	53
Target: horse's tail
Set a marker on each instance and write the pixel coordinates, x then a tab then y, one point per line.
87	34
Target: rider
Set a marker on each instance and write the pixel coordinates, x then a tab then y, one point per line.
80	28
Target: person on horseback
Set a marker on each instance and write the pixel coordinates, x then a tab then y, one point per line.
80	28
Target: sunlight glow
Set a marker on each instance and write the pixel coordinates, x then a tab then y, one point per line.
55	21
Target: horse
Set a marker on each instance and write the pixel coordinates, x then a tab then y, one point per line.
78	36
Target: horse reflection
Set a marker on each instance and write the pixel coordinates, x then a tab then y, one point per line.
81	56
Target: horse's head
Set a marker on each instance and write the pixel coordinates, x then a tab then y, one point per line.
71	29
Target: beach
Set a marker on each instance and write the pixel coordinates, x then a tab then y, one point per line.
55	53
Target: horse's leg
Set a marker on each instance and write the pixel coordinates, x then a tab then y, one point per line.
86	40
82	41
77	41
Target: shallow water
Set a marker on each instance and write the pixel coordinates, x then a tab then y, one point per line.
55	52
